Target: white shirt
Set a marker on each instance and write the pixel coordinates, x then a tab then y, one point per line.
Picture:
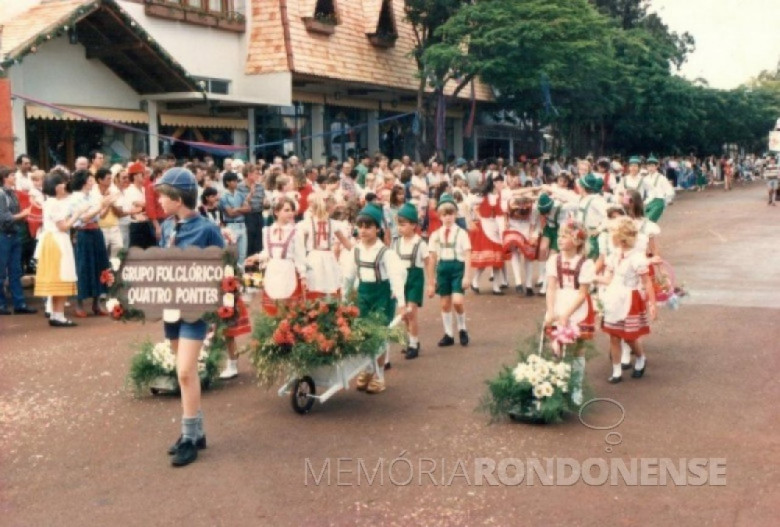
23	183
592	212
390	268
308	232
458	236
277	235
133	196
402	248
658	187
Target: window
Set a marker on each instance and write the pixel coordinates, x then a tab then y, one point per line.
219	86
386	25
325	11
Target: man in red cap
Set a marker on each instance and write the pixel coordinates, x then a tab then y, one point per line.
141	233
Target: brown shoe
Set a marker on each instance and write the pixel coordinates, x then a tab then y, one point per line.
363	380
375	386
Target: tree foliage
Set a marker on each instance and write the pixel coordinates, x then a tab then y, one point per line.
600	72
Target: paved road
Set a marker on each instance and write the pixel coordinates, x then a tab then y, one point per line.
78	449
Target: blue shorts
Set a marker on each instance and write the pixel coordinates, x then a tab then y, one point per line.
186	330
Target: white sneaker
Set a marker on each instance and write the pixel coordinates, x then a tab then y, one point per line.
230	371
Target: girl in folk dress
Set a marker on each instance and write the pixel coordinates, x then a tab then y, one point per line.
487	251
320	236
413	252
569	275
627	312
381	280
284	258
56	273
520	240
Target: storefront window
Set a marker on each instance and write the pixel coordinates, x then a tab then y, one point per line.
396	137
346	132
283	131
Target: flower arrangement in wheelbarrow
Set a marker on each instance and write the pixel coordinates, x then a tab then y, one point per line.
154	367
538	389
307	335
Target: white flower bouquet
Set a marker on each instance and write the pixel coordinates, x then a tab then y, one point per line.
154	367
536	390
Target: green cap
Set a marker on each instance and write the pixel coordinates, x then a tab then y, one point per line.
446	198
545	203
590	183
408	212
634	160
652	160
373	213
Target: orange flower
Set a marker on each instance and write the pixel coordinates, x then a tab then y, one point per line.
117	312
107	277
352	311
345	331
324	308
313	314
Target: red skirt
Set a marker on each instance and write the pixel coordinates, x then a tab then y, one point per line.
636	323
485	253
316	295
515	240
243	325
271	306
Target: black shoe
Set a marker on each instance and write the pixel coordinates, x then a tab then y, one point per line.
5	311
498	293
625	366
200	443
387	366
505	286
637	374
464	337
614	380
446	340
47	315
412	353
529	292
185	453
25	310
475	289
62	323
519	289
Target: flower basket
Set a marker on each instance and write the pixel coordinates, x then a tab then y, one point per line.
382	40
309	335
154	367
536	390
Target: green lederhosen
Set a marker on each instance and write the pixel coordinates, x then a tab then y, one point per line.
593	247
375	297
654	209
449	273
414	288
550	230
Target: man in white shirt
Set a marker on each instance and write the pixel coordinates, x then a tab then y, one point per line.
23	168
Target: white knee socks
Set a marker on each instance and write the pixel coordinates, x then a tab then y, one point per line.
446	318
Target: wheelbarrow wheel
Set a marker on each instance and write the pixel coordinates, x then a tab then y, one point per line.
300	397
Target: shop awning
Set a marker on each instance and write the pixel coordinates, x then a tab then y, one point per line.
201	121
34	111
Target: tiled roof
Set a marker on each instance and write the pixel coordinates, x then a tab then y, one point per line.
346	55
20	31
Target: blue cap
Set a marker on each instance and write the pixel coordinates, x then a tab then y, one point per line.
178	177
460	162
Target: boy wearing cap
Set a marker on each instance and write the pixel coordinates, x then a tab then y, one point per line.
632	180
451	256
413	253
185	227
381	280
592	211
660	191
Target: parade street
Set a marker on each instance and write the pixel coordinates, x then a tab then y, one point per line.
78	448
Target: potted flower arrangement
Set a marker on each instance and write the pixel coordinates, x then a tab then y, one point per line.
538	389
154	366
309	335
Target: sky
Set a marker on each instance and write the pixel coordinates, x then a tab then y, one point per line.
735	39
